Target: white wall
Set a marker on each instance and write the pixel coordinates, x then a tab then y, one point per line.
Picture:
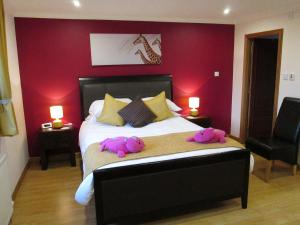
15	147
290	59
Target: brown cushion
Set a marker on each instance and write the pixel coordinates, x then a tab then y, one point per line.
137	114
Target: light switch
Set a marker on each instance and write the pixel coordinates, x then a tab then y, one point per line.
292	77
216	73
286	76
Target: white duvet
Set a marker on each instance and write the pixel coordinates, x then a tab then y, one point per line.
91	132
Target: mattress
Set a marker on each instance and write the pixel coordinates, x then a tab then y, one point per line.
92	132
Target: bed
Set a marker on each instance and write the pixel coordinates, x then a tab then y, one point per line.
158	186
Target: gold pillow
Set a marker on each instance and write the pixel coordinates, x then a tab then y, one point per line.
158	105
110	111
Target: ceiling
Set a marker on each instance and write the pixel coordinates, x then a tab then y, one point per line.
203	11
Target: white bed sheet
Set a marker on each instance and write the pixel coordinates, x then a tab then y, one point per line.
91	132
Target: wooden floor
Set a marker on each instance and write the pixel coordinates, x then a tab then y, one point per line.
47	198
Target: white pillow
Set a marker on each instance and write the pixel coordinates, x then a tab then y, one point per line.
90	119
97	106
172	106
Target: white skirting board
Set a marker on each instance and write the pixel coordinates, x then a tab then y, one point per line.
6	203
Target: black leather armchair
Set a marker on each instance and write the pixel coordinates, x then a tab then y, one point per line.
284	144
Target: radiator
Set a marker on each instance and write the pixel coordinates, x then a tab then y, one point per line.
6	203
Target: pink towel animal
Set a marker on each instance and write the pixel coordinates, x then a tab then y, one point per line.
122	145
208	135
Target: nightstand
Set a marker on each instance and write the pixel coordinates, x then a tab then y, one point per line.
202	121
54	141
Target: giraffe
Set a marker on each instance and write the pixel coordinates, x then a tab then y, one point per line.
143	58
153	56
157	42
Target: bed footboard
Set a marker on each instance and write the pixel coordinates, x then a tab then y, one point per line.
160	188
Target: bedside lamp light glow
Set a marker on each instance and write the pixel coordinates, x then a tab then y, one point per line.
56	113
194	103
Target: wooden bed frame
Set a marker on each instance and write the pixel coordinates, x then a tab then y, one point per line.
159	189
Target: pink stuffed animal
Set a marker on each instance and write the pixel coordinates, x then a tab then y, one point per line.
122	145
208	135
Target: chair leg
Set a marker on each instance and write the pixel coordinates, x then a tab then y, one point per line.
294	169
268	170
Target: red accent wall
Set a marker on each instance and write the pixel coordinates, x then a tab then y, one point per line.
53	53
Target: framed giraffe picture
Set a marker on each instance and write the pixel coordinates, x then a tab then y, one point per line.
125	49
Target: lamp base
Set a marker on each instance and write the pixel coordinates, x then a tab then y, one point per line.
57	124
194	112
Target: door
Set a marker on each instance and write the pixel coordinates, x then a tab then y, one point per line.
6	204
263	64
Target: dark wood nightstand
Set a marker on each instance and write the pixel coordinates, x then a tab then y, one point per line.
56	141
202	121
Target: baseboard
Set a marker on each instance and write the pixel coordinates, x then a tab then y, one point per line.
20	181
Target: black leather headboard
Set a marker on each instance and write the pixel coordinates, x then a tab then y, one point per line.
95	88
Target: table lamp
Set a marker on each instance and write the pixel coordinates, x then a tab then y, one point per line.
56	114
194	103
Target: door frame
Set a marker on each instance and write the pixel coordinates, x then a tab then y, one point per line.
249	38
